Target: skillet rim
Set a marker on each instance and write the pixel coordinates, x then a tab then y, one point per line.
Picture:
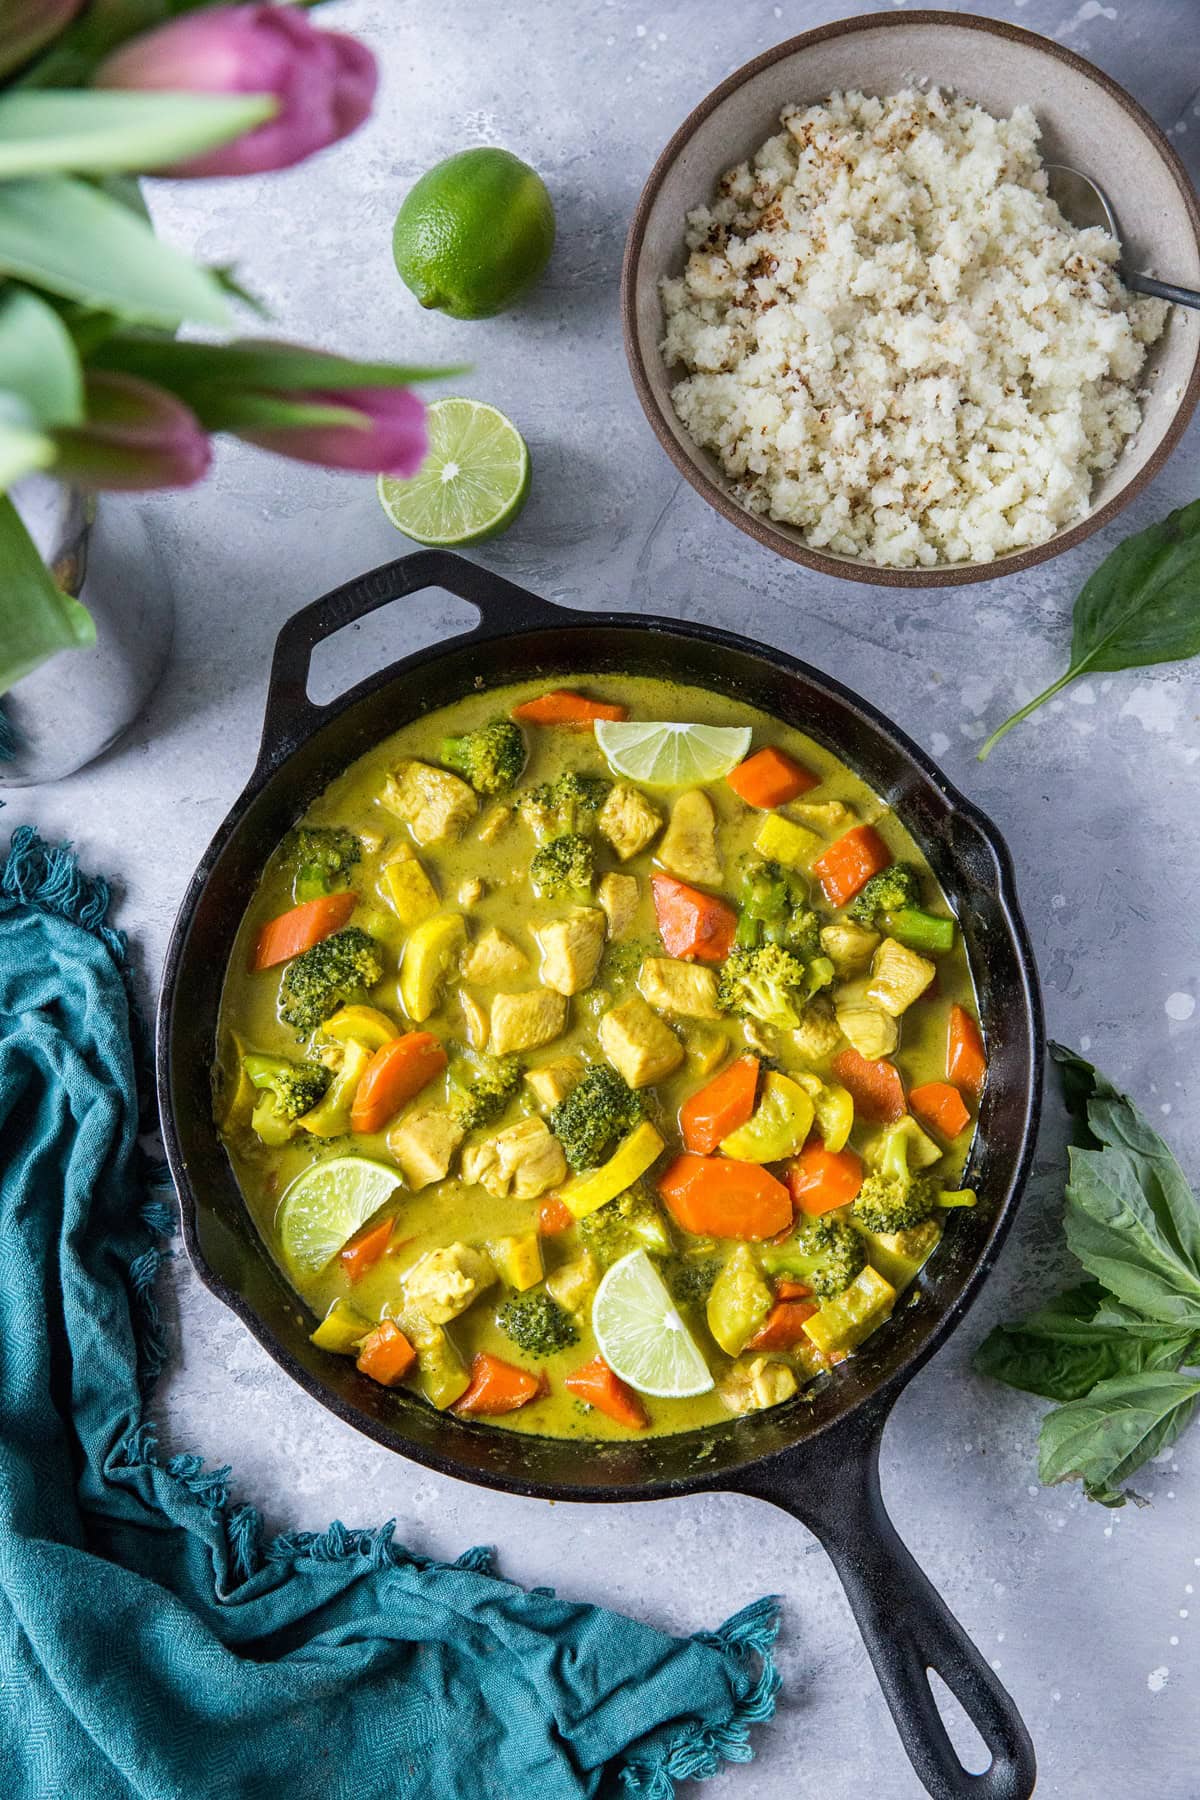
877	1400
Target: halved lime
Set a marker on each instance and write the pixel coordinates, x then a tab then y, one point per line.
664	755
326	1205
473	482
641	1335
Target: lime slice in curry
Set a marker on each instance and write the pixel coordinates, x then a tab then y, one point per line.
327	1204
472	484
641	1335
666	755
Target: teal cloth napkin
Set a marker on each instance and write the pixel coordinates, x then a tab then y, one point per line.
151	1643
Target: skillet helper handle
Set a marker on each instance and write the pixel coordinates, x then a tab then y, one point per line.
905	1624
290	715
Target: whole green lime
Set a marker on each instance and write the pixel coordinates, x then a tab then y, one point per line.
474	233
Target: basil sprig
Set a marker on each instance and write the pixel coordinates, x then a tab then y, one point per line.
1113	1350
1141	606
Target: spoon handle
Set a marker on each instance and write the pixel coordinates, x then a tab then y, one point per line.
1162	290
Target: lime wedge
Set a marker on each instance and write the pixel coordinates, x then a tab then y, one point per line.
473	482
642	1337
326	1205
662	755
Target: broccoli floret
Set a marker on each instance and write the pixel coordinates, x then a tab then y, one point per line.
601	1109
563	867
537	1324
771	984
689	1279
891	889
567	806
323	856
482	1087
824	1253
288	1089
894	1196
622	959
774	909
491	758
631	1222
333	973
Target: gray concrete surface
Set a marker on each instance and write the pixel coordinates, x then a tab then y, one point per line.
1090	1617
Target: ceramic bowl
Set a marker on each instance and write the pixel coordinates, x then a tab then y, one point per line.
1087	121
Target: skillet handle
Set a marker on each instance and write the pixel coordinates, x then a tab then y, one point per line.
502	606
833	1488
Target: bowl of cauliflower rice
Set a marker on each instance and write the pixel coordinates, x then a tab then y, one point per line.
863	330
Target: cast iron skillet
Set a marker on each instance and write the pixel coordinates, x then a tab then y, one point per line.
816	1459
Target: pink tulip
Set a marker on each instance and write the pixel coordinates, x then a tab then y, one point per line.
323	81
27	26
134	436
391	438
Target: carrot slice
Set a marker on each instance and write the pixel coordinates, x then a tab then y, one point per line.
398	1070
783	1325
720	1106
554	1216
787	1289
365	1250
692	924
563	707
385	1354
966	1059
875	1087
940	1106
770	778
850	862
717	1196
821	1180
497	1387
596	1383
300	928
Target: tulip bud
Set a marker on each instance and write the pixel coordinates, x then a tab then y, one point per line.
323	81
134	435
27	26
391	438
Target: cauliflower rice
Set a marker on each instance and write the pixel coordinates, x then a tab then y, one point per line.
894	340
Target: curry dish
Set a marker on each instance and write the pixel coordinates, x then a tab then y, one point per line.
599	1061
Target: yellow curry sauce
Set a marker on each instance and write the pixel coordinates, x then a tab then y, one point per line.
486	879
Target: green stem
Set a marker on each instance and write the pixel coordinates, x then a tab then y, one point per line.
1029	707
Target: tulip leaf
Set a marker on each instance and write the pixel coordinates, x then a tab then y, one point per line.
23	447
189	370
38	359
223	409
99	133
36	618
64	235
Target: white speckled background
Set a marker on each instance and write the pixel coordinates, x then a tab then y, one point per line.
1085	1612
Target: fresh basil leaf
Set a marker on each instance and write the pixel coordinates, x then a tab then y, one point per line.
1119	1227
1103	1439
1066	1347
1141	606
36	618
44	133
69	238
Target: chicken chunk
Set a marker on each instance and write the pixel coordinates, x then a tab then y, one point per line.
571	949
833	817
628	820
618	895
443	1283
493	957
523	1160
526	1021
750	1386
574	1283
493	823
898	977
434	804
637	1043
871	1031
689	845
818	1033
470	892
689	989
423	1141
553	1081
849	947
475	1020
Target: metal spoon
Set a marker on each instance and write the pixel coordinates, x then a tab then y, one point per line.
1084	202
